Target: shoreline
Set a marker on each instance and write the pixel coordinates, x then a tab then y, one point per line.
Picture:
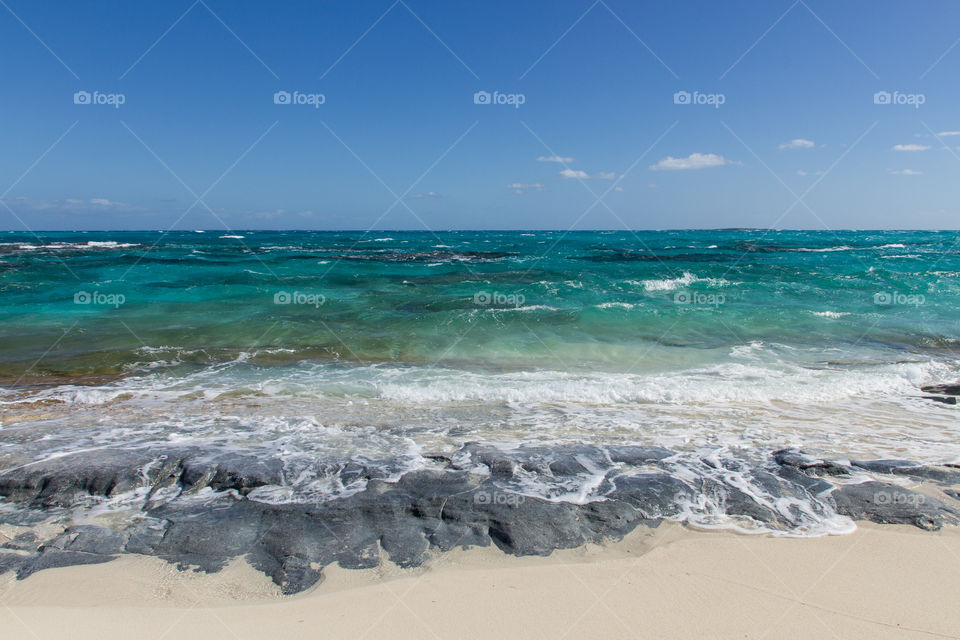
670	582
195	510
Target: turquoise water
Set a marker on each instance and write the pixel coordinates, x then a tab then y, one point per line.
388	345
597	301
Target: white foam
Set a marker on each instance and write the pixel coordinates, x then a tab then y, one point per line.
671	284
726	383
827	249
522	308
92	244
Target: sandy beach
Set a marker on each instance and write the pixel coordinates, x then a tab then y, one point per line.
403	319
671	582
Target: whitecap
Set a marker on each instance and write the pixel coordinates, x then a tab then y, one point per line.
670	284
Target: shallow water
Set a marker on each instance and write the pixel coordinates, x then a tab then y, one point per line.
337	346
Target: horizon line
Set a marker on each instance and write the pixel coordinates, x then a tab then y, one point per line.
435	231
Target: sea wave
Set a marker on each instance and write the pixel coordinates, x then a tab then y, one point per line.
751	380
68	246
671	284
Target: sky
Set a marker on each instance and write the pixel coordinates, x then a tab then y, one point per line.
409	114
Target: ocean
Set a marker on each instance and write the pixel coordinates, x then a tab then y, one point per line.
323	350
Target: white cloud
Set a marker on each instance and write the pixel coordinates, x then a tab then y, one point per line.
910	147
523	187
68	205
583	175
948	133
423	196
560	159
262	215
905	172
801	172
103	202
798	143
693	161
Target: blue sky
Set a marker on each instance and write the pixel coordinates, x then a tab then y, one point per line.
400	143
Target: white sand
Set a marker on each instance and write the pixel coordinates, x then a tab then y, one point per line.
879	582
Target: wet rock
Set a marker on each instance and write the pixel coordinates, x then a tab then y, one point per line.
57	482
890	504
943	389
808	463
89	539
882	466
200	510
911	469
240	473
52	558
26	541
813	485
504	468
297	574
636	456
12	562
654	495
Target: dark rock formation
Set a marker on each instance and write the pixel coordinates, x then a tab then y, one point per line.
943	389
891	504
200	509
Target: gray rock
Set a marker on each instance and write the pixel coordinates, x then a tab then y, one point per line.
891	504
809	464
943	389
434	510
